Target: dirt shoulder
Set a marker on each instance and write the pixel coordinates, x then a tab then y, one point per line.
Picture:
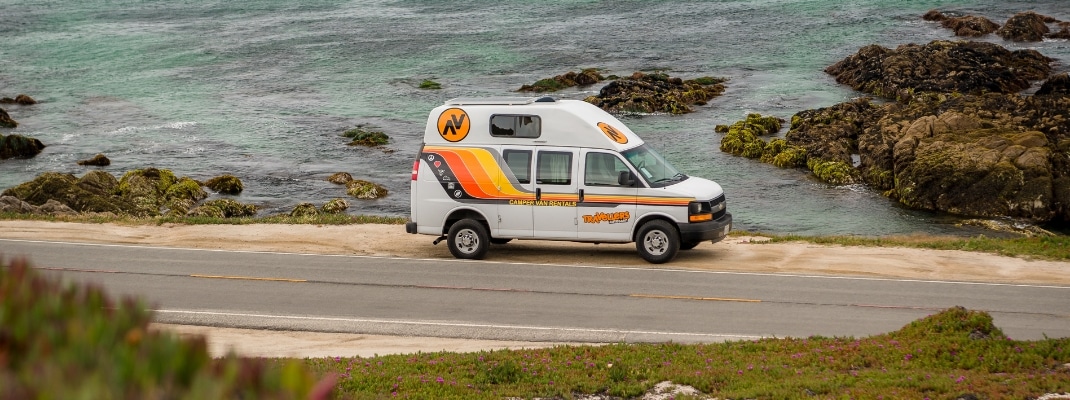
735	254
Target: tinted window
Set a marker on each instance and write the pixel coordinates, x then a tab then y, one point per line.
602	169
555	168
521	126
519	161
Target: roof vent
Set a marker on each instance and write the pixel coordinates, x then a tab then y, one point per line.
545	99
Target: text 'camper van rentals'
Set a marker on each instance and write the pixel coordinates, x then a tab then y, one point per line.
496	169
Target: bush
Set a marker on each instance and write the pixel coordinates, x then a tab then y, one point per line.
66	341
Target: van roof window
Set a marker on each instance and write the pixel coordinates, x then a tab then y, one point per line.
519	126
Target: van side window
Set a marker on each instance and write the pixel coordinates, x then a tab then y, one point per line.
555	168
521	126
519	161
602	169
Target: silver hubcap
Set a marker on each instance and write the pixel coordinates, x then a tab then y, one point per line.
656	243
467	241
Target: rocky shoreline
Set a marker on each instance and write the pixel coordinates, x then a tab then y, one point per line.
960	127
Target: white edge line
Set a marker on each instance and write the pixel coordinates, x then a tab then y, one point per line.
451	324
779	275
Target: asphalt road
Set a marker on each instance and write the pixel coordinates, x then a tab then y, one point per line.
530	302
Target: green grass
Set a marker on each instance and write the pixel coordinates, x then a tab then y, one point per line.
946	355
319	219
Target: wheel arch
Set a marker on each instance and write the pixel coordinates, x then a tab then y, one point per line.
650	217
463	213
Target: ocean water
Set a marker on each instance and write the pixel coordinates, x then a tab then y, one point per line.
263	90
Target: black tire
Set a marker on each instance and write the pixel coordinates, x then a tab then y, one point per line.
500	240
657	242
688	245
468	239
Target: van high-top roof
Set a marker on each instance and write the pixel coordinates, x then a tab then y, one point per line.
527	121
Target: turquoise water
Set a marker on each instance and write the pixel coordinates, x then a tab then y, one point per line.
263	89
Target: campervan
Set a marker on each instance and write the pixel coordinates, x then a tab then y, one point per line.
492	170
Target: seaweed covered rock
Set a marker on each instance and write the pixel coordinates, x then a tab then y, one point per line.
365	190
340	178
223	208
98	160
585	77
365	137
225	184
743	138
831	133
146	190
334	206
941	67
1058	84
304	210
79	195
656	93
968	25
6	121
18	146
1025	27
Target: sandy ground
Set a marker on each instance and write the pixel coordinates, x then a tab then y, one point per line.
741	254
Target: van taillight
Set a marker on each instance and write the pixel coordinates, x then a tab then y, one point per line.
415	169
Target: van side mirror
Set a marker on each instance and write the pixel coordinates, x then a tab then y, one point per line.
626	178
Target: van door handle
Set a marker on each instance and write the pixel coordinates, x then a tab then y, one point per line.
538	193
581	196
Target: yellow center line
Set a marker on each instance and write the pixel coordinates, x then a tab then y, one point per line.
248	278
658	296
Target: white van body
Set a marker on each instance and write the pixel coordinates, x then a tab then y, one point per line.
496	169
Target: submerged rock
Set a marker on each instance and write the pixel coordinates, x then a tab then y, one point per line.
969	25
585	77
365	137
657	93
6	121
21	99
18	146
98	160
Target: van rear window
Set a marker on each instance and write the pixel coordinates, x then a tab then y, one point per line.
520	126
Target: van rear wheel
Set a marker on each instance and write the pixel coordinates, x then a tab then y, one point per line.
657	242
468	239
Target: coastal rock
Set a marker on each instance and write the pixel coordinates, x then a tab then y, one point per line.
1062	33
743	138
53	207
146	189
225	184
66	189
969	25
6	121
1025	27
304	210
656	93
942	67
98	160
340	178
99	182
585	77
223	208
992	155
1058	84
12	204
365	190
18	146
334	206
21	99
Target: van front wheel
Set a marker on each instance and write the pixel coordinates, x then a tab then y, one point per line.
657	242
468	239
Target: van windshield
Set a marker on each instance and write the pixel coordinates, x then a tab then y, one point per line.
654	169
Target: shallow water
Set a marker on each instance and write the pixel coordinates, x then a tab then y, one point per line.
264	90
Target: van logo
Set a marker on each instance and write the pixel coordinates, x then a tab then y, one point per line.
454	124
613	133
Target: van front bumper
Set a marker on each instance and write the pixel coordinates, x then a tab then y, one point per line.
715	230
